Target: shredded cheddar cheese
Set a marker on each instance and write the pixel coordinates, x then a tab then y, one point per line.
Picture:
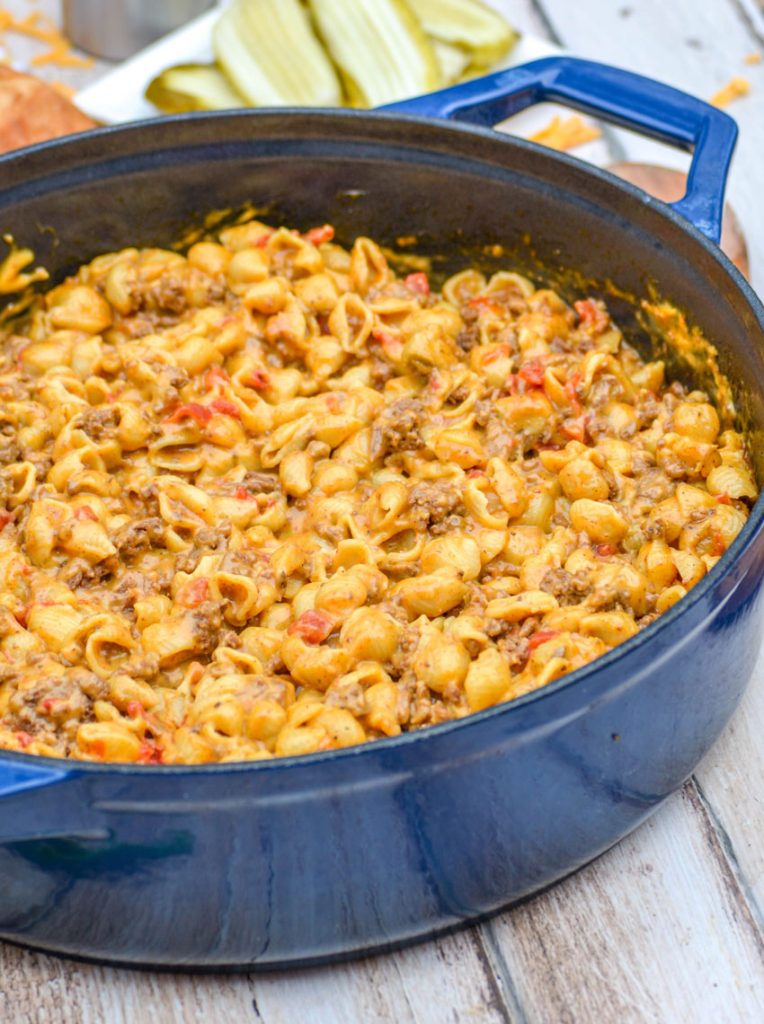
752	58
733	90
42	29
12	276
566	133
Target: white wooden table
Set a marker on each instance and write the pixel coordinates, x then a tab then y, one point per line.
669	926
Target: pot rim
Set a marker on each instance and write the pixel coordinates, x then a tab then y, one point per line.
734	558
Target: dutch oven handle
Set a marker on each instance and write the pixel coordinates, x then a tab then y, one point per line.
618	96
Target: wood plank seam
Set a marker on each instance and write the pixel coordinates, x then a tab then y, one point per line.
498	973
721	848
726	851
543	15
752	18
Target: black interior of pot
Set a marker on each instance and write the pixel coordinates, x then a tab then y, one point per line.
461	193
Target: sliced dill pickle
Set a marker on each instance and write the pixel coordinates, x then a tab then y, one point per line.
187	87
469	24
380	48
269	52
452	60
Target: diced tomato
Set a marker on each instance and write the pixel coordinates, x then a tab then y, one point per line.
485	302
499	352
312	626
318	235
532	373
85	514
149	753
48	703
575	429
719	547
98	747
391	345
226	408
24	739
541	637
724	499
418	283
605	550
191	411
334	403
243	494
259	380
475	472
264	239
195	593
5	518
571	387
591	315
214	376
135	709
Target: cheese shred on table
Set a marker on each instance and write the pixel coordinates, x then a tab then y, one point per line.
733	90
36	26
566	133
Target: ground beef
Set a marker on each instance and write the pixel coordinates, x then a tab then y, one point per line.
469	336
653	485
170	382
514	649
433	502
207	539
648	408
132	587
407	642
568	588
141	666
78	572
483	409
243	562
500	440
346	694
62	702
381	371
259	483
9	447
230	638
99	423
207	622
397	428
606	388
671	464
458	395
139	536
169	296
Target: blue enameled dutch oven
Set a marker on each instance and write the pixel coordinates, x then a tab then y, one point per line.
331	855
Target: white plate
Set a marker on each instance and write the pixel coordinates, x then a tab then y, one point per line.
119	95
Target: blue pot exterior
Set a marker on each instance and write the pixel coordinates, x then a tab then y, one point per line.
298	861
278	863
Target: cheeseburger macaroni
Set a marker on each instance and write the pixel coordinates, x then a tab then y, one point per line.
270	498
